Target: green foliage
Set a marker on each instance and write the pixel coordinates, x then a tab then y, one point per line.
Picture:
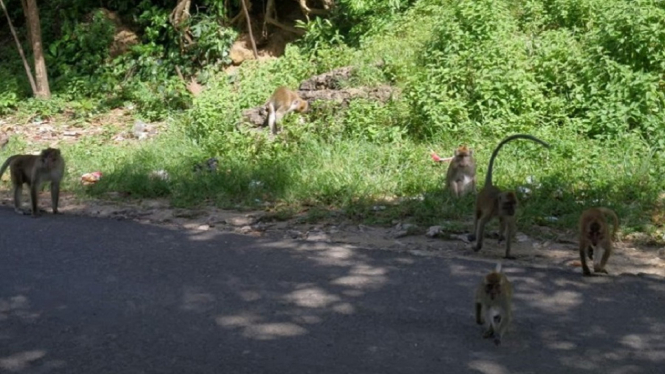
9	89
80	54
213	41
374	122
356	19
320	33
497	66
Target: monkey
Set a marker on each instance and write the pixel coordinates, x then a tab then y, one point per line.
282	102
594	233
210	165
34	170
492	202
461	175
4	139
493	304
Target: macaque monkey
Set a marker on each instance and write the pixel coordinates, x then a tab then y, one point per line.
34	170
461	175
594	233
282	102
492	202
493	301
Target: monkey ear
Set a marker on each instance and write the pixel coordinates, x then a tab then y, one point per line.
470	152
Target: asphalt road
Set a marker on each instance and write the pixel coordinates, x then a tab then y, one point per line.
85	295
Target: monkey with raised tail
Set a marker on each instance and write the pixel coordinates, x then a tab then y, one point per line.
492	202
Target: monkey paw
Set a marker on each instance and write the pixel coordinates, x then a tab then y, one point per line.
488	334
477	248
586	273
600	271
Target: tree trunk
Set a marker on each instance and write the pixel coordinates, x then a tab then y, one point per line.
35	33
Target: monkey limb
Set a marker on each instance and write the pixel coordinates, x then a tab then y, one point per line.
493	304
282	102
461	174
492	202
594	233
34	170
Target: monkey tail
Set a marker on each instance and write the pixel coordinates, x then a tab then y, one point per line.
488	177
606	211
6	164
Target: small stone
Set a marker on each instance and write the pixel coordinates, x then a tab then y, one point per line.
245	229
433	231
318	236
294	234
400	234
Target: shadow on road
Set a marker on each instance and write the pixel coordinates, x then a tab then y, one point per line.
82	295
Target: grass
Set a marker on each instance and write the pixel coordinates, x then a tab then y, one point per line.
365	163
382	183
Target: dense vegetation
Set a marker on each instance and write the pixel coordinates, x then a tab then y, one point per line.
588	76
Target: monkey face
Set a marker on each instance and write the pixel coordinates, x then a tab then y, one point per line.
50	157
463	156
303	106
595	234
493	290
493	285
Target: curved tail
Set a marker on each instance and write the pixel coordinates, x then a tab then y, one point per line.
5	165
606	211
488	177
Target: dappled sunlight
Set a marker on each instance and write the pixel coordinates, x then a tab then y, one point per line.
649	347
21	361
487	367
253	327
199	235
363	276
257	301
16	310
335	256
312	297
560	302
193	299
461	270
17	306
360	281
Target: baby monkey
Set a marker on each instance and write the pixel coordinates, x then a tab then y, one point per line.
493	304
282	102
48	166
461	175
595	233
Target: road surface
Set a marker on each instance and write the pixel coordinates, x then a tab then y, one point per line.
86	295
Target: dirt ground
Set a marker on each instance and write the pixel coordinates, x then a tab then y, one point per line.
628	258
